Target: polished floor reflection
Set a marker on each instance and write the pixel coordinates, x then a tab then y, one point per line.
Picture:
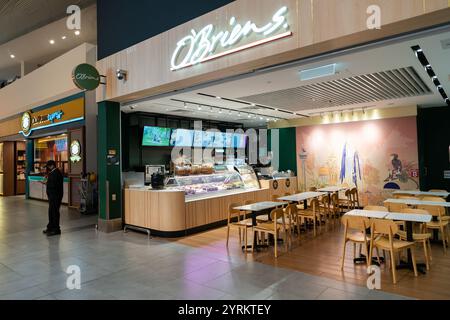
131	266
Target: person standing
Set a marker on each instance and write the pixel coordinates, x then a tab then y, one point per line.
55	191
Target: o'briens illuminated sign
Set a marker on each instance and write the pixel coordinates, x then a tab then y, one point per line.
201	46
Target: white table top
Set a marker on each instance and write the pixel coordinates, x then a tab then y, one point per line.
417	202
413	217
260	206
332	189
423	193
302	196
368	214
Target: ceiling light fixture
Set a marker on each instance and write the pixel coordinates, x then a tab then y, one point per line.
63	37
429	69
185	105
52	41
12	56
77	32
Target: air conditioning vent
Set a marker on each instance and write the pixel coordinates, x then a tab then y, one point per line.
368	88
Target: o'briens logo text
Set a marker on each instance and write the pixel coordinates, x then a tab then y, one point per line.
201	46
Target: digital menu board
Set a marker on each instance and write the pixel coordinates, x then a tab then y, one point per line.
156	137
182	138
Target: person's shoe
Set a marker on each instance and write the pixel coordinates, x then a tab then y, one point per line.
53	233
45	231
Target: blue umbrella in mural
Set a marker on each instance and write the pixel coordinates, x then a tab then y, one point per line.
343	161
356	165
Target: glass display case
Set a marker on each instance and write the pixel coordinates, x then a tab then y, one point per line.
206	184
248	176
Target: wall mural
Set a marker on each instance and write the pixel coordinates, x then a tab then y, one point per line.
377	156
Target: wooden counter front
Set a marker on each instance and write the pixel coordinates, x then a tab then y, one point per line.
170	214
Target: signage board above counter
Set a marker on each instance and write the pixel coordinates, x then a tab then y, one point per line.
53	116
210	43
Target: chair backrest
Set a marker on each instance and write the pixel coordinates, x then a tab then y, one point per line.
313	189
334	199
432	198
292	211
396	207
355	195
275	197
435	211
276	214
315	205
384	227
234	212
247	202
437	190
356	223
325	201
287	194
376	208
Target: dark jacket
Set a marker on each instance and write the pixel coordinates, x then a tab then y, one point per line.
55	184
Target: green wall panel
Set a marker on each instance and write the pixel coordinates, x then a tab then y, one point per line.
109	170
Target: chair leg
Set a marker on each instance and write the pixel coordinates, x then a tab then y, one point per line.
429	250
314	225
413	257
427	260
228	234
245	239
276	244
378	257
394	269
354	250
254	240
444	237
343	255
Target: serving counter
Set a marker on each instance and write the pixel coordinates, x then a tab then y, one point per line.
171	213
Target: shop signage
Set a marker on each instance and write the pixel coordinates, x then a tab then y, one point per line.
53	116
204	45
86	77
75	151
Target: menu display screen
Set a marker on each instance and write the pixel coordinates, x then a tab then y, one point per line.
156	137
182	138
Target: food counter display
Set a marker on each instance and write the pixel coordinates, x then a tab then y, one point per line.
194	203
38	190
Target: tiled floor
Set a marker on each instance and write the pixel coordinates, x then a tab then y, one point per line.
131	266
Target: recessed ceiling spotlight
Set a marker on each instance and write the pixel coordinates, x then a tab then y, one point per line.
12	56
276	109
185	105
199	108
52	41
77	32
63	37
132	107
253	105
218	97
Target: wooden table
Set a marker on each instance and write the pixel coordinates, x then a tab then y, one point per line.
417	202
423	193
258	209
304	196
332	189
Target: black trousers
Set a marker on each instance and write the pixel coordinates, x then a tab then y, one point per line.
54	203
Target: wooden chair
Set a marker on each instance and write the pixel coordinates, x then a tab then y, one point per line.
311	214
293	220
376	208
242	224
422	238
312	189
346	202
273	227
445	217
441	224
355	232
334	205
355	198
386	231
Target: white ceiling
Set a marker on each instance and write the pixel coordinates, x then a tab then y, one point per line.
35	49
390	55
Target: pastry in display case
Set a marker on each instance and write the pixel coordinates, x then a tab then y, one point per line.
206	184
